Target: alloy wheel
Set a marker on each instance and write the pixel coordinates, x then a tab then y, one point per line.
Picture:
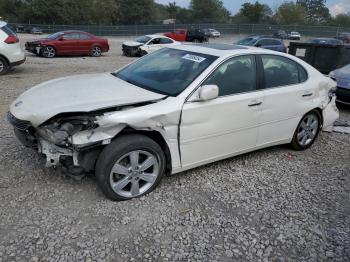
96	51
134	173
2	66
307	130
49	52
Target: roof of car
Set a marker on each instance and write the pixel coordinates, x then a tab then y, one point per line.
221	50
2	23
154	36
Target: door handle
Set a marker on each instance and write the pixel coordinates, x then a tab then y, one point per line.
255	104
307	94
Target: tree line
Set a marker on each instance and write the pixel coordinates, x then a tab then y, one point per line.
130	12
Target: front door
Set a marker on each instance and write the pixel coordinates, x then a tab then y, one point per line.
227	125
69	44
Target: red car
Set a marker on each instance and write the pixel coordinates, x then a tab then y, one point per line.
68	43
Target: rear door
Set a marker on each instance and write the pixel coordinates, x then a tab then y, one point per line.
85	43
287	97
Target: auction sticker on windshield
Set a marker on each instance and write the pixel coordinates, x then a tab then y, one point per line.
194	58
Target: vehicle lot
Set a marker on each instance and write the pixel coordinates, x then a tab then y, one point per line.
274	204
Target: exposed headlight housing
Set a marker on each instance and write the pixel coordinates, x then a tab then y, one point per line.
57	131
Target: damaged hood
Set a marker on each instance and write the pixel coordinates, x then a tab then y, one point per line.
81	93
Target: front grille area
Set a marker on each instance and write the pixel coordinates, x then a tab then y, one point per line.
18	123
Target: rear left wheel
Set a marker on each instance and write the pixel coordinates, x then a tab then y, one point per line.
129	167
4	67
307	131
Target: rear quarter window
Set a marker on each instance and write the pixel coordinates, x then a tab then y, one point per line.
8	31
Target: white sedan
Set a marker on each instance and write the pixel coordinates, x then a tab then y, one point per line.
174	110
144	45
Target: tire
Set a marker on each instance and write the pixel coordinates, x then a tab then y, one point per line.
115	167
4	66
307	131
96	51
48	52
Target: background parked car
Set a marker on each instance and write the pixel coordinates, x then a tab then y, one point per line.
184	35
281	34
210	32
36	30
11	53
342	76
326	41
20	29
264	42
69	43
146	44
294	36
345	37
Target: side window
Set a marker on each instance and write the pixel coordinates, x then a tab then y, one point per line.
276	42
237	75
155	41
165	41
280	71
302	74
264	42
84	36
71	36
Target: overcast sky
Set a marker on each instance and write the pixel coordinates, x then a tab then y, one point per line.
335	6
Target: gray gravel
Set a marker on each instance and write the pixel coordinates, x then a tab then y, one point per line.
271	205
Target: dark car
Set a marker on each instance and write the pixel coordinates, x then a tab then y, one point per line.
264	42
193	35
345	37
68	43
342	76
36	31
325	41
281	34
20	29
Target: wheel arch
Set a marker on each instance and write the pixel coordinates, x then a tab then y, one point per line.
156	137
6	59
88	158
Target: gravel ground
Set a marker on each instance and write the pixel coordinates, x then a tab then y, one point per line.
271	205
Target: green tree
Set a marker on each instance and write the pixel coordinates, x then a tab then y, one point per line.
342	20
209	11
136	12
256	13
291	13
316	11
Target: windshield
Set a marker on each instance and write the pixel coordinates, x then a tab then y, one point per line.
325	41
142	39
247	41
54	36
168	71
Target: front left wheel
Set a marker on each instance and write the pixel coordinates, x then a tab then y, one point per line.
131	166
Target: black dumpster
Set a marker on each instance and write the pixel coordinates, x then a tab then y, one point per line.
324	58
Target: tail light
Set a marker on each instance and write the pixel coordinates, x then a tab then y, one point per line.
12	39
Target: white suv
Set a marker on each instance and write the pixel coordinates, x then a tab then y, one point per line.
11	53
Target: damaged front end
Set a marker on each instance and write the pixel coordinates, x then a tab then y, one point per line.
74	141
54	138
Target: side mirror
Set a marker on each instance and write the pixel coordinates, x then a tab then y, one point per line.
258	45
208	92
61	38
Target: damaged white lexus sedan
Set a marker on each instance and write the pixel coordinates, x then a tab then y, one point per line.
173	110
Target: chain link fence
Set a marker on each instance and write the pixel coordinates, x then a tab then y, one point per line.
225	29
